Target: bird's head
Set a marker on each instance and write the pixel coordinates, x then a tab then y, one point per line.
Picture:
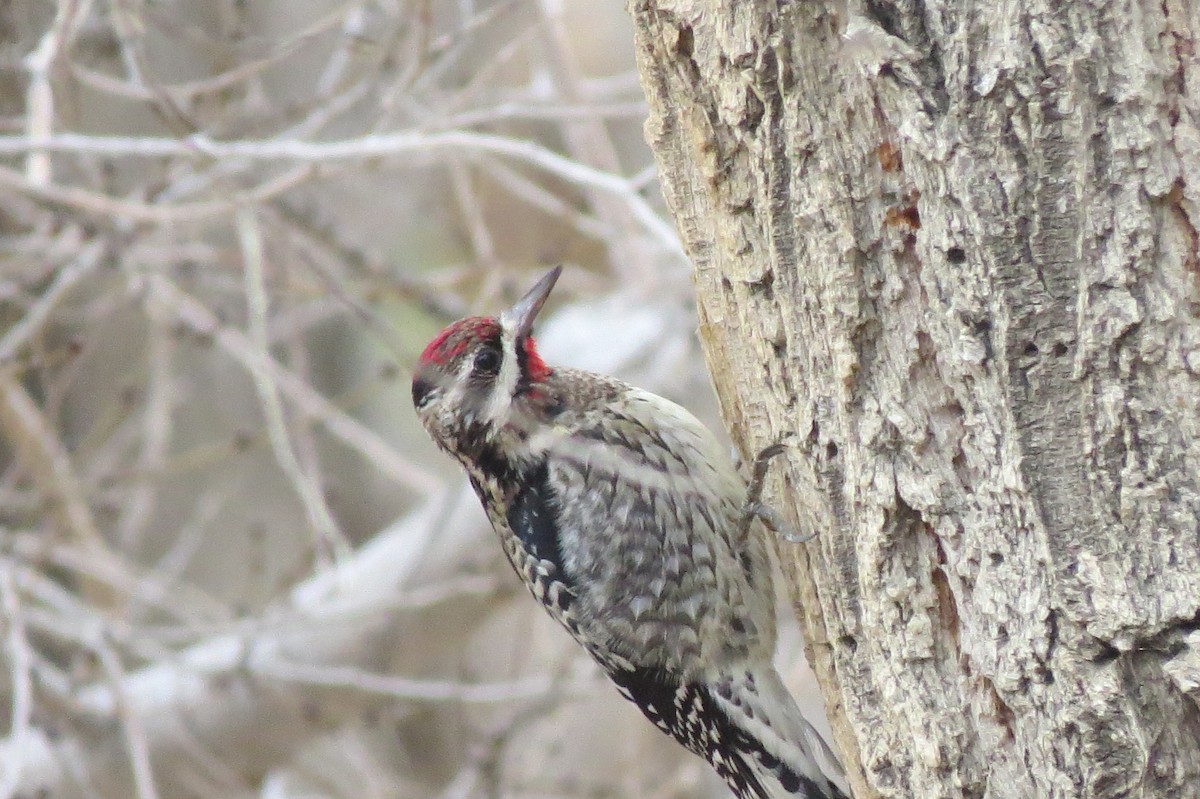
470	376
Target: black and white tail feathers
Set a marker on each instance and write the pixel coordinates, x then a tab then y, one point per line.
746	725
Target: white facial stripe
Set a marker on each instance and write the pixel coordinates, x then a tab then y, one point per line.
500	400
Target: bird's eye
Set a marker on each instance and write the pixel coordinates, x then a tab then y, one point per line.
487	361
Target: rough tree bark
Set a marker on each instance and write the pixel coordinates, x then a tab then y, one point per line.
949	249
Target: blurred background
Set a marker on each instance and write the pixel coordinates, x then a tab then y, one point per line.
231	563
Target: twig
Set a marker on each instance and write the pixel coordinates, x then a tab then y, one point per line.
401	687
548	201
195	315
48	462
535	110
464	144
324	527
467	195
136	744
32	320
155	440
39	97
63	614
590	139
102	205
21	661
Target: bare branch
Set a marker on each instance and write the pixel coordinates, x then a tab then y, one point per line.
20	660
329	539
463	144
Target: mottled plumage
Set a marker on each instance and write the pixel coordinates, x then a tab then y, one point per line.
621	512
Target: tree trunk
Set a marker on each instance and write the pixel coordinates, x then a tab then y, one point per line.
947	250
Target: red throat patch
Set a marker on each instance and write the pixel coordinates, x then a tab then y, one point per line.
535	368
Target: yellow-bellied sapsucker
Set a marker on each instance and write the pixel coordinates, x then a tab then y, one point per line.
624	517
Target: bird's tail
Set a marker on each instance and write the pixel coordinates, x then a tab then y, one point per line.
782	755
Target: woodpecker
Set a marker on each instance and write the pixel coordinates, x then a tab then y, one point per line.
624	516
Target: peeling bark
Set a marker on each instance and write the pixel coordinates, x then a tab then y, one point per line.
949	251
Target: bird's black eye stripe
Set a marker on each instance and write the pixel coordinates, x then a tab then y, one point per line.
487	361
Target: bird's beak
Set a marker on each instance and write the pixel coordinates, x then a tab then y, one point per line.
522	315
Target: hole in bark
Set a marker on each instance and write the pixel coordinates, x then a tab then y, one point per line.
1031	349
1190	625
1108	653
961	468
831	450
956	255
1060	349
685	43
850	642
765	287
996	558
